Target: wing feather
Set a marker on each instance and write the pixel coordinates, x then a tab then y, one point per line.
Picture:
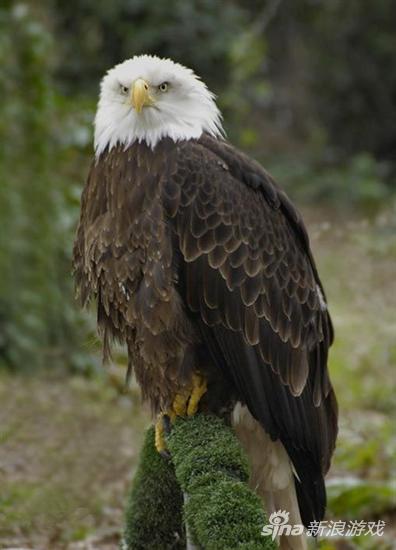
249	274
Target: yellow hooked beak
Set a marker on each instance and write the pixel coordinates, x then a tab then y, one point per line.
140	95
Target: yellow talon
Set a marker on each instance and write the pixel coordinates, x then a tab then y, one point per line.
199	389
184	404
179	405
160	443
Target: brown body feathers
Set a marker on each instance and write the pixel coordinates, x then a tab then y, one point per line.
199	261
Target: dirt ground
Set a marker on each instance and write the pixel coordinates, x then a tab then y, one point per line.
68	449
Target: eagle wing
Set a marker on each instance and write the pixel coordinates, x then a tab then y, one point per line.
247	276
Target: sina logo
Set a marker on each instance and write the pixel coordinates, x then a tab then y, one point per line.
279	525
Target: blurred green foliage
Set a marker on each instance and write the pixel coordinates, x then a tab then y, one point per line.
354	498
353	77
38	204
199	33
306	87
356	183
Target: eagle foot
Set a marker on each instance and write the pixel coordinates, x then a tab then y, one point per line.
185	403
199	388
162	428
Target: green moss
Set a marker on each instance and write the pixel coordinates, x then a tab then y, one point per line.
225	514
204	445
211	467
154	509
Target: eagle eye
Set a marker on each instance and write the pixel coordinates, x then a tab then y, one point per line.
163	87
124	89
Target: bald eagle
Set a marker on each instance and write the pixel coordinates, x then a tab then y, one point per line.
202	266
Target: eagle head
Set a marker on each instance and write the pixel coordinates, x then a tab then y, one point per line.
147	98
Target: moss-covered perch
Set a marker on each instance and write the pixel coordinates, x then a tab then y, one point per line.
221	512
154	518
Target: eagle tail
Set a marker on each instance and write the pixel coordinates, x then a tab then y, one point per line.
311	496
286	499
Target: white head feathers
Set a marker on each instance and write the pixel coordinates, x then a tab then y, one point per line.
176	104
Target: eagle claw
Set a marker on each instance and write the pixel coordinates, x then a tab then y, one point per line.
185	403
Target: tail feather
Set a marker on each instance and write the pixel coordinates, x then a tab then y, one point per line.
311	496
286	499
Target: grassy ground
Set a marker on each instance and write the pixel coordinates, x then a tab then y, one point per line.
68	445
68	449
